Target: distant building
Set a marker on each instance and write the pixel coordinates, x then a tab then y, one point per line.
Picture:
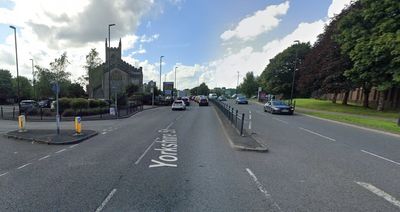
122	75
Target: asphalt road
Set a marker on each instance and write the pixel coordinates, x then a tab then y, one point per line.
163	160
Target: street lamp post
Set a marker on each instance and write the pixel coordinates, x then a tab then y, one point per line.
108	60
16	62
237	83
161	57
176	88
294	74
33	81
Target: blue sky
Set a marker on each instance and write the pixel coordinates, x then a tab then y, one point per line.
209	41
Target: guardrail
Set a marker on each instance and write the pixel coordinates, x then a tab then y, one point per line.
236	119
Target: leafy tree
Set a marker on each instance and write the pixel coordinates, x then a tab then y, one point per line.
249	86
202	89
25	87
5	85
92	62
43	84
369	34
131	89
277	76
75	90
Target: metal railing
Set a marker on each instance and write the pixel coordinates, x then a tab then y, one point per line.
236	119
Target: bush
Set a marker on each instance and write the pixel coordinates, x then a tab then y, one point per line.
85	112
79	103
93	103
64	103
68	112
46	112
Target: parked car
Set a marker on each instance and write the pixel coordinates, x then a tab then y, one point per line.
212	96
178	105
221	98
45	103
186	100
28	106
241	100
203	101
277	106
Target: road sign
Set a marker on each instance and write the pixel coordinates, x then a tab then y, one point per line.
55	88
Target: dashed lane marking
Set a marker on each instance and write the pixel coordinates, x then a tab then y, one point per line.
383	158
380	193
25	165
262	189
280	120
144	153
42	158
106	200
312	132
59	151
1	175
73	146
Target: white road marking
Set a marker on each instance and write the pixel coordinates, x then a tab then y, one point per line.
312	132
144	153
15	152
262	189
73	146
383	158
1	175
47	156
106	200
103	133
25	165
169	125
285	122
380	193
61	151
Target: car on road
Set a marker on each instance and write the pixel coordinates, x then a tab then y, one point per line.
46	103
186	100
278	107
241	100
222	98
203	101
28	106
178	105
212	96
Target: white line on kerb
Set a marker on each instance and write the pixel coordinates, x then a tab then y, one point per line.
25	165
61	151
144	153
383	158
312	132
262	189
285	122
106	200
1	175
380	193
169	125
73	145
47	156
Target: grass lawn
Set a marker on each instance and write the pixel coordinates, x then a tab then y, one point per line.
361	121
324	105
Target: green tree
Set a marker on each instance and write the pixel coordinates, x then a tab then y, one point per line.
5	85
75	90
43	84
369	34
249	86
202	89
277	76
93	61
25	87
131	89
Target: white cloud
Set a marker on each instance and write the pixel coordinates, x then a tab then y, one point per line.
149	39
337	6
260	22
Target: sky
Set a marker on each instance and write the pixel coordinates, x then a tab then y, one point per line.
203	40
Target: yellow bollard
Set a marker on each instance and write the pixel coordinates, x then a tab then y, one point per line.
78	126
21	123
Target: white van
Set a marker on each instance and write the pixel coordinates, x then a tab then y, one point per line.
212	96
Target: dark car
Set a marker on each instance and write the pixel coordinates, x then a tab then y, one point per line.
45	103
186	100
221	98
241	100
28	106
203	101
276	106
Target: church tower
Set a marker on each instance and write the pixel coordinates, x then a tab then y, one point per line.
115	52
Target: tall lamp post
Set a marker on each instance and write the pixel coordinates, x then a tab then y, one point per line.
237	84
294	73
33	81
16	62
176	88
108	60
161	57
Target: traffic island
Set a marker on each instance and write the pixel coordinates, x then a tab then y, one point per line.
51	137
246	141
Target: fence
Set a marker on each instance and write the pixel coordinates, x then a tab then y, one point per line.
44	114
236	119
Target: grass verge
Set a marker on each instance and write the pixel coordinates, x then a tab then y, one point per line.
324	105
384	125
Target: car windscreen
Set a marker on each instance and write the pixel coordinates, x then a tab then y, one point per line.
278	103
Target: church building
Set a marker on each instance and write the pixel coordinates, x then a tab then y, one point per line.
121	73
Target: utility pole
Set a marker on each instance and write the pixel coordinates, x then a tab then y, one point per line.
33	81
176	88
16	63
294	73
237	84
161	57
108	60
